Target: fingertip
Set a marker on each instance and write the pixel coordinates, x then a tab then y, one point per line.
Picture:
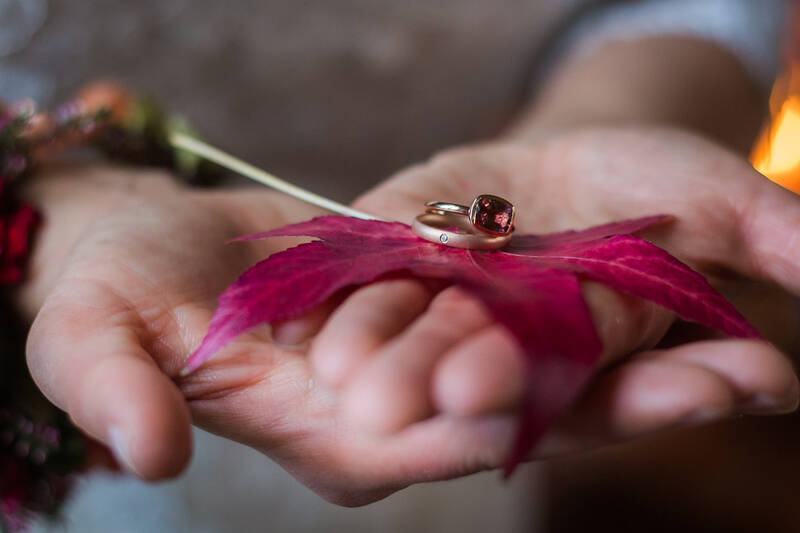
162	447
87	358
140	461
293	333
140	414
483	375
333	363
641	397
762	378
367	320
677	395
377	406
773	388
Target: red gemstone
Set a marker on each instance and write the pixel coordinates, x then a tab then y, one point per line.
493	214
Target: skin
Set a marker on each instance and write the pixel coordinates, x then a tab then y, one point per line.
395	386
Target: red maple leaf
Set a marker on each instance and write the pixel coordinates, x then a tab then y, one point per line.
531	287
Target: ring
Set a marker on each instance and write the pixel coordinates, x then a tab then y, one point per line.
454	230
488	213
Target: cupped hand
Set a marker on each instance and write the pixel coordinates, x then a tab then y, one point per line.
125	279
403	383
398	354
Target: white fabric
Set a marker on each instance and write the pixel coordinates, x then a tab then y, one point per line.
750	29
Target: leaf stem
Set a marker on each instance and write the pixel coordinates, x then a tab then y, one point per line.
197	147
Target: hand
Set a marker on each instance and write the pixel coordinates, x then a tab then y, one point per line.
139	287
398	355
126	274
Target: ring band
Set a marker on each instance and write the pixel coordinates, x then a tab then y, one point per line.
440	208
439	228
488	213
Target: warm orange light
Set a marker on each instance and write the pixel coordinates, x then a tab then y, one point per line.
777	152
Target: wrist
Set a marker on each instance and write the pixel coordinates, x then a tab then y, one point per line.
670	81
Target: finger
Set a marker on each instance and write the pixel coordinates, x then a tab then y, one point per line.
85	355
624	323
367	468
687	385
481	375
463	446
483	372
761	377
767	245
296	332
368	319
651	393
640	398
393	389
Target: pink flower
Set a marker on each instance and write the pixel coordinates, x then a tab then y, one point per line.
17	225
15	490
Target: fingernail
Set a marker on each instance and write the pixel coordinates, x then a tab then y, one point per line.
763	404
705	415
119	445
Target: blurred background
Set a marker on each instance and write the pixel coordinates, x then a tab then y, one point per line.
335	96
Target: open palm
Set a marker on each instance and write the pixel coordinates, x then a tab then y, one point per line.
133	297
732	224
402	383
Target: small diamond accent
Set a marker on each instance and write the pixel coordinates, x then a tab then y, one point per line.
444	238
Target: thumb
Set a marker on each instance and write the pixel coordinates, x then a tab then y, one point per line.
768	217
85	354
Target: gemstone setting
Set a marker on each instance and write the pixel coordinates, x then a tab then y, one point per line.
492	214
443	238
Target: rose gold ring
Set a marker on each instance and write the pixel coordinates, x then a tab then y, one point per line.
455	231
488	213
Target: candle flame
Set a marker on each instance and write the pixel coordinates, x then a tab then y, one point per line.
777	152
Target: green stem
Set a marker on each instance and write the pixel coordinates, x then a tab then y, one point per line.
197	147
